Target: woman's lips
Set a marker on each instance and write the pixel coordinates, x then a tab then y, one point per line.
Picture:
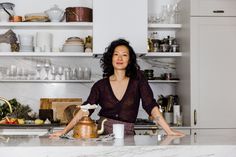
119	62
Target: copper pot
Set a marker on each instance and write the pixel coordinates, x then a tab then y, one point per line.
79	14
15	19
87	128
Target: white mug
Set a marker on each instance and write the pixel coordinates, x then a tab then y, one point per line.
118	130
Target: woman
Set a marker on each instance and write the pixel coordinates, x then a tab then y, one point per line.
120	91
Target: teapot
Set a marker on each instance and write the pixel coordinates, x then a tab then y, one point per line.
55	14
87	128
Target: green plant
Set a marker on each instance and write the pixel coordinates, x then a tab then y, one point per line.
18	110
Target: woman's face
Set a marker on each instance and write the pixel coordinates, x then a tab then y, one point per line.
120	58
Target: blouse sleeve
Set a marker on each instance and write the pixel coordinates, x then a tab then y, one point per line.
148	101
93	97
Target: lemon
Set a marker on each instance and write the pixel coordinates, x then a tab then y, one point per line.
38	121
21	121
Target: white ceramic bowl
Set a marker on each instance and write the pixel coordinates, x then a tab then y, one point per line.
72	48
5	47
55	14
24	48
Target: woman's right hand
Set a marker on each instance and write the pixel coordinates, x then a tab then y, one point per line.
56	134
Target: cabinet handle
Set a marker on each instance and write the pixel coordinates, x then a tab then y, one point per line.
218	11
195	117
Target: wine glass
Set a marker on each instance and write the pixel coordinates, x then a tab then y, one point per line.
13	72
176	11
164	14
87	73
60	72
80	73
38	69
53	72
25	74
19	73
47	68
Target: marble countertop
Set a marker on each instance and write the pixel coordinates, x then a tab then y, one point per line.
203	141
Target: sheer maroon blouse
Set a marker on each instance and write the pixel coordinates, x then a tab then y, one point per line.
127	108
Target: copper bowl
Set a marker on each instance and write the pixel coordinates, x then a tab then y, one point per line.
15	19
79	14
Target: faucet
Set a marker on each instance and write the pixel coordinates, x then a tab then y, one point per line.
7	102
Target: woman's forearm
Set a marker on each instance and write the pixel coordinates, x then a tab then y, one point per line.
74	121
158	118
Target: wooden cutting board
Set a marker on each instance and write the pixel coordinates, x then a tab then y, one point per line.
46	103
60	112
59	105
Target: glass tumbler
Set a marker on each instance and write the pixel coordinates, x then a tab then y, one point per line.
87	73
80	73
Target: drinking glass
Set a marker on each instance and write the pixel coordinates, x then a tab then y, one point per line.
74	74
68	74
60	72
80	73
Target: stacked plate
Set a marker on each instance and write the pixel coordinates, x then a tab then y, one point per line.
73	44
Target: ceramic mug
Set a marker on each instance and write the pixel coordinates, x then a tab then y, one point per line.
118	130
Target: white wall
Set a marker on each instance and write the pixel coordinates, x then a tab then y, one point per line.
30	93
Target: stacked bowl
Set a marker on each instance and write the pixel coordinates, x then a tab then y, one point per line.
26	42
73	44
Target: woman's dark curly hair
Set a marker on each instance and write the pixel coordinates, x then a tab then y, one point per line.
106	60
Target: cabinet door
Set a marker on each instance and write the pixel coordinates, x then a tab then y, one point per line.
115	19
213	76
213	7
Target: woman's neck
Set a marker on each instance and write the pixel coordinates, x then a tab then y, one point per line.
118	75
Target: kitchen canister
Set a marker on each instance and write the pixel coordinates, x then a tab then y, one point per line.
168	117
176	113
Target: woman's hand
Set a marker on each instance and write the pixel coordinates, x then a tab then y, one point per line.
175	133
56	134
70	126
169	139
